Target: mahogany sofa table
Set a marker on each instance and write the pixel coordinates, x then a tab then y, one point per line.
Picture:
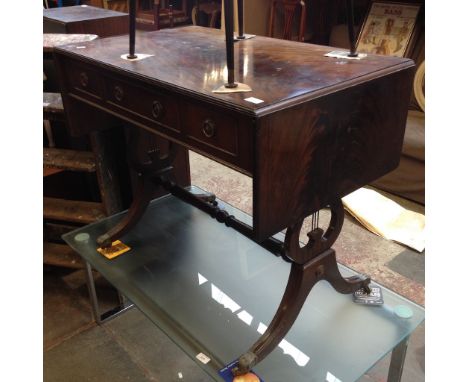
312	130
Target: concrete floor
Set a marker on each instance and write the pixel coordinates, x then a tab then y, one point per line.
131	348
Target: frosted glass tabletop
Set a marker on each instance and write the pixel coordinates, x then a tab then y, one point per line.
213	291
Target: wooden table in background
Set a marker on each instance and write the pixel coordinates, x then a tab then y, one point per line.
84	19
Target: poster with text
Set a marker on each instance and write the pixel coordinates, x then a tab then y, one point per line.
388	29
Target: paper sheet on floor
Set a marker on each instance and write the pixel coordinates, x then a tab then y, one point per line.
386	218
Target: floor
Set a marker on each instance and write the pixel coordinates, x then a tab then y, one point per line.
130	348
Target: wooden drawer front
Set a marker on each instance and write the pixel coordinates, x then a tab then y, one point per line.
146	106
210	128
84	81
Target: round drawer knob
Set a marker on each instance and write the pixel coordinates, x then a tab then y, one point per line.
157	109
209	128
84	80
118	93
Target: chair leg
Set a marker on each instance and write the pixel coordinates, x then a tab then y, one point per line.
215	16
48	130
303	21
156	10
272	18
171	16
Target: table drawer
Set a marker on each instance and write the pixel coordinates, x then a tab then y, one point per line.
212	129
153	106
84	81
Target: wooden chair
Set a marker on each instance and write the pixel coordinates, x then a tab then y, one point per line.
115	5
288	8
207	13
161	15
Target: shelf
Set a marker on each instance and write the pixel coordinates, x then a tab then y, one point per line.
71	160
72	210
61	255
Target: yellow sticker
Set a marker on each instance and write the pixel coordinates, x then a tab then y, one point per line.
115	250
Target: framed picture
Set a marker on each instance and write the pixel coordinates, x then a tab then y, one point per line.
388	28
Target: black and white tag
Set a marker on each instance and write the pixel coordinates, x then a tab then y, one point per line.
374	298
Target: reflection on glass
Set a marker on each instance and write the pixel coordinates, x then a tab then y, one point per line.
201	279
227	302
246	317
289	349
224	299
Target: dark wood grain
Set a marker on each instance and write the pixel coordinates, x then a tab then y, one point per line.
85	20
335	145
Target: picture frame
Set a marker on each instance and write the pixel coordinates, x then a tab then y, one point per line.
388	28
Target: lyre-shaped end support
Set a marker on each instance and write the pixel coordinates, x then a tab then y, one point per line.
318	240
314	262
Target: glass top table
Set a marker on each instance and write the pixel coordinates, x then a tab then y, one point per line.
214	292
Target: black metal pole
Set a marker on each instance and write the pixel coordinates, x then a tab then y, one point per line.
351	35
229	27
240	18
132	28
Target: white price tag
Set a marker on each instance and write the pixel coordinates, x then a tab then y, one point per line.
203	358
254	100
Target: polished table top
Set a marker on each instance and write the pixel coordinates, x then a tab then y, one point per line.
192	60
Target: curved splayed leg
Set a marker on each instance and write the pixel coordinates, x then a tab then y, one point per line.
156	166
314	262
301	280
344	285
144	192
